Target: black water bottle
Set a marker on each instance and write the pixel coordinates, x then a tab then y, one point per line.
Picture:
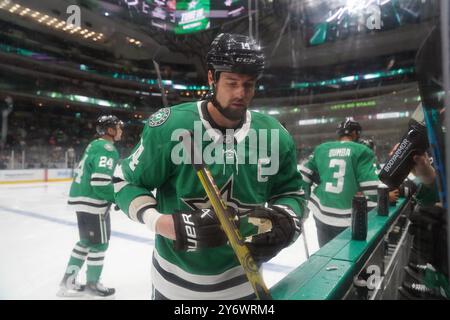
401	162
359	217
383	200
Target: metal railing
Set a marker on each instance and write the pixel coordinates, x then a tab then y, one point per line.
38	158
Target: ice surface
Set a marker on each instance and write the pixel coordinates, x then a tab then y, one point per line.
38	231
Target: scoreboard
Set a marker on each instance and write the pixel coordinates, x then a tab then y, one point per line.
192	16
185	16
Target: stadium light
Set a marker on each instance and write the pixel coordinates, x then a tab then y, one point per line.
14	8
349	78
48	21
43	18
4	3
353	7
25	11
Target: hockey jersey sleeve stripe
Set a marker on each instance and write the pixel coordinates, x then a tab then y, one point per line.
101	180
309	176
118	180
306	174
119	186
100	176
140	212
368	188
370	192
100	183
305	177
90	201
369	183
89	204
333	212
306	171
139	205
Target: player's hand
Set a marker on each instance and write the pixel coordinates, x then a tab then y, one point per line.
393	195
423	169
198	229
283	228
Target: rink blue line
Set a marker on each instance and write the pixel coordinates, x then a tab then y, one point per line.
269	266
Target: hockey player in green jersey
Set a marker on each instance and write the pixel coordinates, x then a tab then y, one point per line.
91	195
253	161
340	169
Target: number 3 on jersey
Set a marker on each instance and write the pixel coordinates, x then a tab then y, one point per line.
339	175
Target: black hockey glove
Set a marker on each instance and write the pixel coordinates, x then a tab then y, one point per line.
198	229
284	228
407	189
429	227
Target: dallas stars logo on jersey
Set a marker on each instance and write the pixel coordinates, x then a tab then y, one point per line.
159	117
226	193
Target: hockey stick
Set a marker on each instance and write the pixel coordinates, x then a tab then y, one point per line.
304	241
160	84
226	220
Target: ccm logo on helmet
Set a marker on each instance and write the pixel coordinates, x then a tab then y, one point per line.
245	60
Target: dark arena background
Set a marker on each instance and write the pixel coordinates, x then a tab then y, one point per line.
64	63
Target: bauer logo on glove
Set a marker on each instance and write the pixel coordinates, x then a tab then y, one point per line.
198	229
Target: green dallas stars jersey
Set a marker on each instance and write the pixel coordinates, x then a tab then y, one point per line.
91	189
340	169
212	273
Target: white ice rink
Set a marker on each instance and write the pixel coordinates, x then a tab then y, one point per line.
38	231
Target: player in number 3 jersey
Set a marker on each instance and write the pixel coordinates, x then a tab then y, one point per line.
340	169
91	195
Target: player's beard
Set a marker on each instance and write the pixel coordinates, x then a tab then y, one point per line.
230	112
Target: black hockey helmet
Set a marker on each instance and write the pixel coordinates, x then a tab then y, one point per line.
107	121
235	53
347	126
368	143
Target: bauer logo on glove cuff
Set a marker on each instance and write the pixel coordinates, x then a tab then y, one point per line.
191	235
